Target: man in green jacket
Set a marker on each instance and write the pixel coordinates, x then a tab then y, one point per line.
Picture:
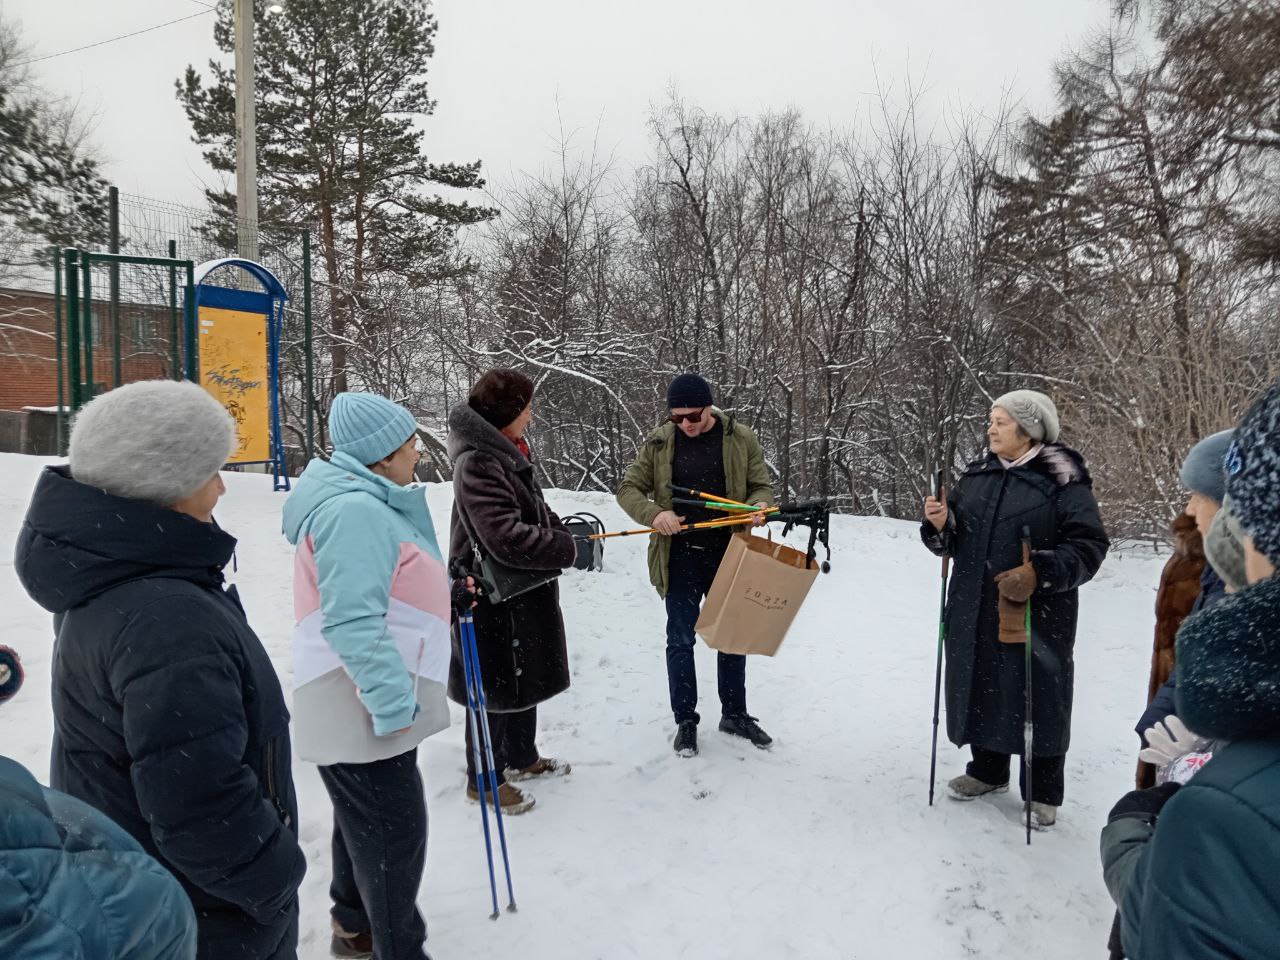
702	448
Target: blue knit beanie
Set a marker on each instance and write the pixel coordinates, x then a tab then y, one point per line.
368	427
1253	473
1203	471
689	390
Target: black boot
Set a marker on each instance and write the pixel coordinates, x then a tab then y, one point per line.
687	738
741	725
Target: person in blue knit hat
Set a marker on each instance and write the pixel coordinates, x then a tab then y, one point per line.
370	663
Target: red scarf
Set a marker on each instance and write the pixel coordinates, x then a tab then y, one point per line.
523	446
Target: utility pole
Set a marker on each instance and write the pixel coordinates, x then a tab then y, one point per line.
246	138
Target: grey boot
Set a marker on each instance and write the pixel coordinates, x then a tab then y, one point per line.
1043	815
965	787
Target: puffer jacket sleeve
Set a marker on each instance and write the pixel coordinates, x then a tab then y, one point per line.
493	516
187	737
73	884
637	487
1081	546
356	554
1199	885
147	907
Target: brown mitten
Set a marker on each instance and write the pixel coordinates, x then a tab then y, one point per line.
1013	621
1016	587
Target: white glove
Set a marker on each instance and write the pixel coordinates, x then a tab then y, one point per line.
1170	740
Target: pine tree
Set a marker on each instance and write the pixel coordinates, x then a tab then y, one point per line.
50	186
341	91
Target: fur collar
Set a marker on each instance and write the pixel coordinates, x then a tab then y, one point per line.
1056	462
469	432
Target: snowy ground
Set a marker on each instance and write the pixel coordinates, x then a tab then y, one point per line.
822	847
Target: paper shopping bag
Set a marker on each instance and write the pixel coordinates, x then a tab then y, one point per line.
756	594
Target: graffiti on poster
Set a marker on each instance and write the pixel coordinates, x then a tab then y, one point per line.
233	368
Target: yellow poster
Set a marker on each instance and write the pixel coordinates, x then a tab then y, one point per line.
233	368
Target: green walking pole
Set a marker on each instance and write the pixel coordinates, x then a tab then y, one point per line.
937	673
1028	728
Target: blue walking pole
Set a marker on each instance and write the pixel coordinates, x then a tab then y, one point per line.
483	713
471	650
467	634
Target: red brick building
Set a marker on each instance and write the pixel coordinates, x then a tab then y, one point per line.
28	358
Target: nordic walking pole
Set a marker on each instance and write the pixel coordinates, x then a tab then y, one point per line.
703	495
482	709
942	634
732	521
1028	728
467	634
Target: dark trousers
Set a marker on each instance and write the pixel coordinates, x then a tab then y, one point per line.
689	575
513	736
379	851
1048	774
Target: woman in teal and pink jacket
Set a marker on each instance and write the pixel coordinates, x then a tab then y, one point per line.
370	663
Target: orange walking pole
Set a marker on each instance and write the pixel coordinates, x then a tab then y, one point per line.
734	521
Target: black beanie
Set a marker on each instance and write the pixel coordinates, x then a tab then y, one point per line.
689	390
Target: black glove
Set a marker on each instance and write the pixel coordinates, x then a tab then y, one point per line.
1143	804
463	593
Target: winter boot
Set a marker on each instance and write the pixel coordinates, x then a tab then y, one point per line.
965	787
686	743
746	727
513	800
350	946
544	767
1043	815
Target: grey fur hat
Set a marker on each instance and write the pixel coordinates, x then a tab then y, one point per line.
1034	412
1224	547
157	440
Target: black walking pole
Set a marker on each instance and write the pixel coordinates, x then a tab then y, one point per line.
937	673
1028	728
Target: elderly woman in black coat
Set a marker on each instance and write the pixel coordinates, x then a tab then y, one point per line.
1027	481
499	508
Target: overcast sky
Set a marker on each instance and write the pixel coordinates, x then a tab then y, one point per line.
508	72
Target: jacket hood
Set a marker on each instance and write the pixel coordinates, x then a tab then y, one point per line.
1229	666
468	431
325	480
78	541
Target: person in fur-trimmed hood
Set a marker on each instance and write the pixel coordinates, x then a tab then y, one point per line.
1193	867
498	506
1027	479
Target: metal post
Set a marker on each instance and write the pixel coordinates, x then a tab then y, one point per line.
57	343
86	301
308	388
175	348
113	244
189	319
73	327
246	139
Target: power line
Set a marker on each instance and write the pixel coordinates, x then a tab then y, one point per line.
123	36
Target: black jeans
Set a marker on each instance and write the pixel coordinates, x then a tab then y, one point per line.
689	575
1048	774
513	736
379	851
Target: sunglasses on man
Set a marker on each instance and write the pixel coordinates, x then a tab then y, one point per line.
679	418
